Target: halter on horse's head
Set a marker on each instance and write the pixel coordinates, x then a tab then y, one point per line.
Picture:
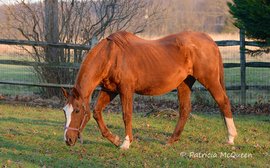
77	114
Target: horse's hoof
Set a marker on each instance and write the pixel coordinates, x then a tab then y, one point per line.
116	141
123	148
126	144
171	141
230	143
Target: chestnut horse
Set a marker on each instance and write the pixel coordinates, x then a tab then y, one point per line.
125	64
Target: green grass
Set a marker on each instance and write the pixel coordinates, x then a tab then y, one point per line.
16	73
33	137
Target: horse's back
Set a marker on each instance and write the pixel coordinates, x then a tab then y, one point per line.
170	51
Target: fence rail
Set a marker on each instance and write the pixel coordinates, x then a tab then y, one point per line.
44	44
224	43
45	64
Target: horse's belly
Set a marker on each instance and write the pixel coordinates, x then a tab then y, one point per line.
161	82
153	92
157	89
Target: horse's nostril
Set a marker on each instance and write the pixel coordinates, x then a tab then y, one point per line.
69	140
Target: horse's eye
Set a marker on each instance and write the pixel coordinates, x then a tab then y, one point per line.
77	110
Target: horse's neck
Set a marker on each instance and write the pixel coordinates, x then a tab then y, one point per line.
93	69
86	83
90	76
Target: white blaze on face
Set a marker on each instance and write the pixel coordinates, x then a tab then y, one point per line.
126	143
231	130
68	109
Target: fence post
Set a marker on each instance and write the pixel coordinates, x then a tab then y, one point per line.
51	29
243	66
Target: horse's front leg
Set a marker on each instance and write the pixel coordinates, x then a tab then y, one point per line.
127	108
104	98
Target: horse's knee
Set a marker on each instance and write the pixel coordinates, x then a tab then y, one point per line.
185	108
127	117
222	101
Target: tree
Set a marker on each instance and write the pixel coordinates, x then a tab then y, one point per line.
254	17
78	23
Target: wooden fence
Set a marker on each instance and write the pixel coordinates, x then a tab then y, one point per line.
77	50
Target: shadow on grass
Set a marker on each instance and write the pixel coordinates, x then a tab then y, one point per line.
8	144
144	134
21	154
31	121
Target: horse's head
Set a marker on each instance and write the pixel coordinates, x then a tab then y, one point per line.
77	114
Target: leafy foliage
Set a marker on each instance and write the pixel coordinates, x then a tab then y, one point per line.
253	16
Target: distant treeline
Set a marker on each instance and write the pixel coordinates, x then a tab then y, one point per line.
210	16
170	16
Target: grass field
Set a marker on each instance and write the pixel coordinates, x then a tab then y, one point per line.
16	73
33	137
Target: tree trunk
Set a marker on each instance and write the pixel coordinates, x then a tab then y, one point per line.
52	54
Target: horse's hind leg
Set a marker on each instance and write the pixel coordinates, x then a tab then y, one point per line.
220	96
104	98
184	92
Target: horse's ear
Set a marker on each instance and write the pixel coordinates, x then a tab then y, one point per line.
75	93
65	93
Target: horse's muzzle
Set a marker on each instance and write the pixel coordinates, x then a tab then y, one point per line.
71	141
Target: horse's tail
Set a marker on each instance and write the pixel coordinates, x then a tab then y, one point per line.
221	72
222	82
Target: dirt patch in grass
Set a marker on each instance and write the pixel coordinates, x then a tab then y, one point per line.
141	104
